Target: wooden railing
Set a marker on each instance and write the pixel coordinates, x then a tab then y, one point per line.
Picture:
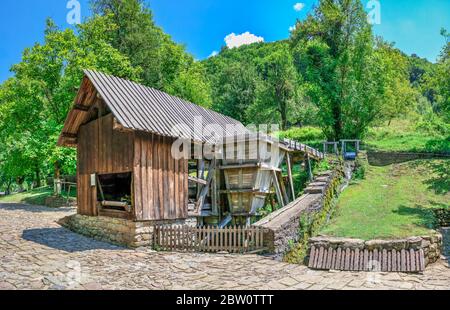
235	239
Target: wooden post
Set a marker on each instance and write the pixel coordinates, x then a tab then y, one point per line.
277	188
309	167
291	179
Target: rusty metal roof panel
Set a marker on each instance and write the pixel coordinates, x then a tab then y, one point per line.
143	108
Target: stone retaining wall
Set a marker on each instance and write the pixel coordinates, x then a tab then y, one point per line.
283	226
59	201
117	231
389	158
431	245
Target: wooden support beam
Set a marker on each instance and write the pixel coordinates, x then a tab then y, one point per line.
197	180
205	189
80	107
291	179
277	189
283	188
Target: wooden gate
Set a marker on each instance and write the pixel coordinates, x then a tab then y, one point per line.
236	239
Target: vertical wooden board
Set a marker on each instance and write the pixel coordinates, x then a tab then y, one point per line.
322	253
333	260
347	259
361	260
155	178
138	205
338	259
356	260
150	214
329	258
144	178
366	260
167	208
403	260
176	189
421	260
160	186
412	257
394	266
171	176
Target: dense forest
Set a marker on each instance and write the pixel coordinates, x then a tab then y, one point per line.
332	78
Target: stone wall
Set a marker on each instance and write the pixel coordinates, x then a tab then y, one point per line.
431	245
389	158
117	231
59	201
282	228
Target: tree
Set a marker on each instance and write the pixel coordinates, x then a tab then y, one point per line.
34	104
399	96
333	52
235	90
280	84
134	34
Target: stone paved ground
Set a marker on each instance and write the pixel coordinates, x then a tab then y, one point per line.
36	253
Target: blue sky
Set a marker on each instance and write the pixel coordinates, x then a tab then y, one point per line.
202	25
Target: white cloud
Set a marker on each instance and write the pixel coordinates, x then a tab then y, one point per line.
292	28
232	40
299	6
213	54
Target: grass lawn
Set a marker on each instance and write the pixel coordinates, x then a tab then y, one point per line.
392	202
33	197
402	136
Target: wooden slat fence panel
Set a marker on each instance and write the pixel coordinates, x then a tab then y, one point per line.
346	259
236	239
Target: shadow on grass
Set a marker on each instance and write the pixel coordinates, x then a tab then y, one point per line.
424	217
65	240
436	172
440	179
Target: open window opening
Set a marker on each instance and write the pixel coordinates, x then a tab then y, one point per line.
114	191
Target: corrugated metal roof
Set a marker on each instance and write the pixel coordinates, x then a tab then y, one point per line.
138	107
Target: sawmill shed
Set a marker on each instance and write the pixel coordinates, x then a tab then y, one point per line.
124	136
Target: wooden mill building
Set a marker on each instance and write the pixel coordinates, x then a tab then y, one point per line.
124	135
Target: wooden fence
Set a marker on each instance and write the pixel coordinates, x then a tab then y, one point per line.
235	239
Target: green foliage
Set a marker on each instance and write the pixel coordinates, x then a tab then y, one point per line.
334	52
121	39
418	134
303	134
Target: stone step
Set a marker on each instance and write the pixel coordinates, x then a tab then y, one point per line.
315	190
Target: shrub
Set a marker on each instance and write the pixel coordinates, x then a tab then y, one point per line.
303	134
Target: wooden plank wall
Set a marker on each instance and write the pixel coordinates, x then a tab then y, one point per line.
160	181
100	150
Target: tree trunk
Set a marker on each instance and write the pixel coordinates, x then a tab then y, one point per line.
38	177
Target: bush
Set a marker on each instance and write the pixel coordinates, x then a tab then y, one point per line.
303	134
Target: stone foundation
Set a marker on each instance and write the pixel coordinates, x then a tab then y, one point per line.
117	231
431	245
59	201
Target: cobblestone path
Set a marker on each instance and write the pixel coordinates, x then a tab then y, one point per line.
36	253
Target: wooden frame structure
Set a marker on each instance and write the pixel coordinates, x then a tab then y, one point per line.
124	150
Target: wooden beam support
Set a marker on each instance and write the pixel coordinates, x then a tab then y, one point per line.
277	189
291	179
82	108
